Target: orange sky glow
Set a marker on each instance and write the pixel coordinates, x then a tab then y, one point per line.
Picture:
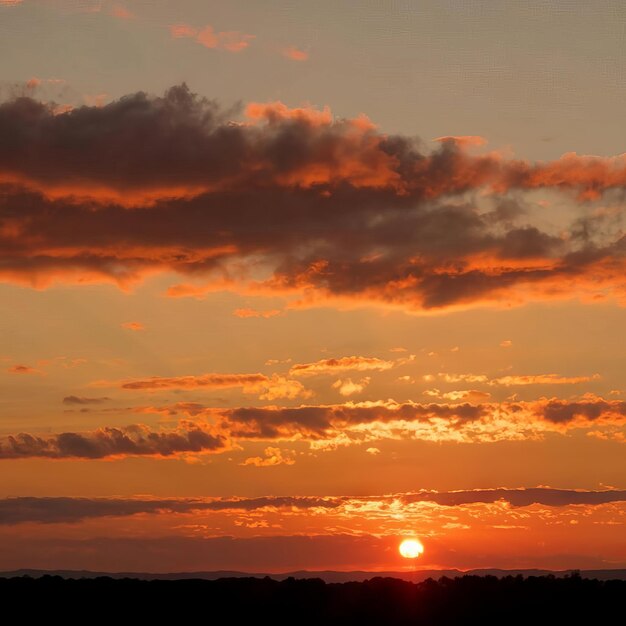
257	316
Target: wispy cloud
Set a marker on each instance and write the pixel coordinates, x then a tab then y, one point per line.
136	326
295	54
83	400
247	312
512	380
23	369
268	387
231	40
66	509
346	363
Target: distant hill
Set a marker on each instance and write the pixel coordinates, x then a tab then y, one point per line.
326	575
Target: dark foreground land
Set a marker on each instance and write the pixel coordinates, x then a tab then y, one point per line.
466	600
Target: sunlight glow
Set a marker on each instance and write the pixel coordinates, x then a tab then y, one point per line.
411	548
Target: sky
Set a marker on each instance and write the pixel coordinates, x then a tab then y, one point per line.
284	283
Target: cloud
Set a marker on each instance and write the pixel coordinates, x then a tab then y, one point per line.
369	420
345	363
269	387
23	369
110	442
295	54
232	40
463	395
136	326
542	379
518	497
182	30
280	387
273	456
351	216
514	380
347	387
244	313
83	400
211	381
463	140
593	409
457	378
17	510
63	509
277	361
121	12
506	343
356	423
10	2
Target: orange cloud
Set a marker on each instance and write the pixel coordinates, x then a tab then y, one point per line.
466	395
121	12
135	326
463	141
277	112
295	54
244	313
347	387
422	242
232	40
328	427
216	381
273	456
23	369
182	30
346	363
458	378
82	400
268	387
542	379
514	380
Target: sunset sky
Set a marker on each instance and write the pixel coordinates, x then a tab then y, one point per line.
284	282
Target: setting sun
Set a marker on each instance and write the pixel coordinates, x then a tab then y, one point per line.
411	548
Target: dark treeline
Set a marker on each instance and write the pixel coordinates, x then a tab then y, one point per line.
466	600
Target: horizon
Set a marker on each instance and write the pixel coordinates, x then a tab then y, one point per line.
283	286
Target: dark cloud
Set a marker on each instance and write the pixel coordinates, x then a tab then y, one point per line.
69	510
206	429
325	421
330	207
72	400
211	381
563	411
135	440
518	497
56	510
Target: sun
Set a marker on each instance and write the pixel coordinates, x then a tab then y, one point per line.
411	548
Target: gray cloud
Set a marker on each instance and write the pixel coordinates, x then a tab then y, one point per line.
335	207
135	440
72	400
68	510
